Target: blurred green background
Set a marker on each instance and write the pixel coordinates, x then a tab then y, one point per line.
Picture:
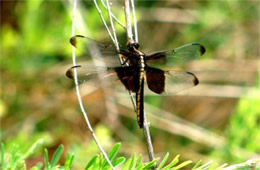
219	120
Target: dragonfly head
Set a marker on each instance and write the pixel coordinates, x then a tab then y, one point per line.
132	46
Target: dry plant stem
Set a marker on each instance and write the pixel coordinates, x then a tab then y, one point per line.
128	21
78	92
135	22
110	34
113	15
112	24
146	129
104	22
147	136
117	45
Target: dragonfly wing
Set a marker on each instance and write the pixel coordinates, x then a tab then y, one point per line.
169	82
177	56
117	78
95	49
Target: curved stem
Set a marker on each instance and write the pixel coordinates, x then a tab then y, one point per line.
78	91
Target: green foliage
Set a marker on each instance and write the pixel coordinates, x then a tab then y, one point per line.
37	100
98	161
244	132
16	160
57	155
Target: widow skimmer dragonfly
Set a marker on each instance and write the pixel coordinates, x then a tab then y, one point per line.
137	69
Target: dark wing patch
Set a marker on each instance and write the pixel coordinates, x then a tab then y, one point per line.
129	76
155	80
171	83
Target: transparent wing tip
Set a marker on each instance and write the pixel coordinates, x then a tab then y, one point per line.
195	80
202	48
73	40
70	72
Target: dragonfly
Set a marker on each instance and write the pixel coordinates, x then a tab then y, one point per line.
137	72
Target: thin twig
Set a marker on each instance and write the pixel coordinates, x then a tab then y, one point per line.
112	24
117	20
135	22
128	21
117	46
78	91
104	22
146	129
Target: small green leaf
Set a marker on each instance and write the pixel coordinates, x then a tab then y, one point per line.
46	159
222	166
183	164
213	166
127	164
197	164
68	161
3	155
56	156
37	167
91	162
132	161
113	152
102	161
163	161
14	156
138	162
173	162
151	164
118	161
32	149
139	167
206	165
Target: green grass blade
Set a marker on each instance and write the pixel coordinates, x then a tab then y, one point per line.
163	161
56	156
